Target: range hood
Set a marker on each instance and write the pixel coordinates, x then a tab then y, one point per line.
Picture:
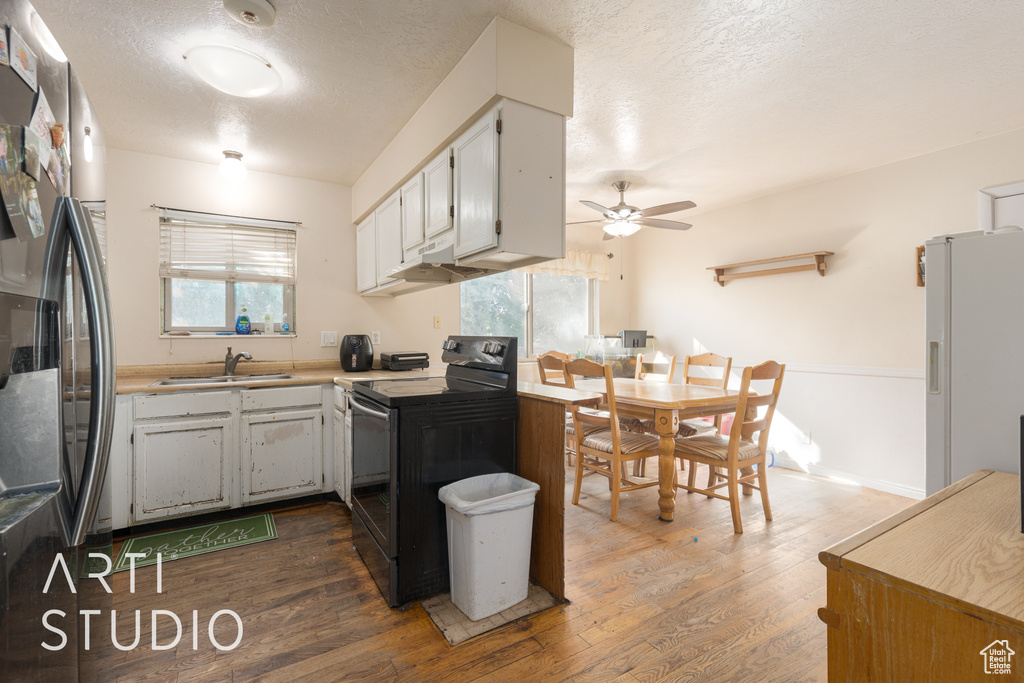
435	262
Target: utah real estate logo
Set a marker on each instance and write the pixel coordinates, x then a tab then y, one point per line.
997	656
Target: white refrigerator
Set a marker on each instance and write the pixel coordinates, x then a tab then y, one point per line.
974	320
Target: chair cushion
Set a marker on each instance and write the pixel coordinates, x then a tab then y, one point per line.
714	446
631	424
684	428
631	442
698	425
570	428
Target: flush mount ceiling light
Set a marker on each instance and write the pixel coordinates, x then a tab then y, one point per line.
232	167
46	38
233	70
253	13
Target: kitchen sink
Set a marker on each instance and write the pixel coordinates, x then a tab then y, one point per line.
225	379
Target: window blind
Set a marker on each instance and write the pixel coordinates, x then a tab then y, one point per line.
201	246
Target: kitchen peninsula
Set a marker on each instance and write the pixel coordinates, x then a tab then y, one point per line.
223	473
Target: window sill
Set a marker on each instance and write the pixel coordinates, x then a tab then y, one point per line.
226	335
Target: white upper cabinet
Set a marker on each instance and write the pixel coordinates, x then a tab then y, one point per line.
437	195
492	201
366	254
412	215
513	215
475	186
389	236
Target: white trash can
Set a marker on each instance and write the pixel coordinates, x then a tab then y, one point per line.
490	525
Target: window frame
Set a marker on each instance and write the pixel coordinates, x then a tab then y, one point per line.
231	273
593	311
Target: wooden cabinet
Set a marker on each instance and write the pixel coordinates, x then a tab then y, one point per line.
282	454
412	216
192	452
182	467
388	218
366	254
493	201
342	446
437	195
475	186
509	188
935	592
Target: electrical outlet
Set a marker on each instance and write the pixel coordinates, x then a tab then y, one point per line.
328	339
805	437
437	322
375	337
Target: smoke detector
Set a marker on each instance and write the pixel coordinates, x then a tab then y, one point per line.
251	13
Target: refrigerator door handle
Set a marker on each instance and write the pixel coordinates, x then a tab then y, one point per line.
934	386
103	362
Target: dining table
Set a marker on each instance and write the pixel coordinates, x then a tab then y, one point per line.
666	404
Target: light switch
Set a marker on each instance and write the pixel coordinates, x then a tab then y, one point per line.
328	338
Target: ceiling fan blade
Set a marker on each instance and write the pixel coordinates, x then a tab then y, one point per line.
607	236
596	220
662	223
597	207
662	209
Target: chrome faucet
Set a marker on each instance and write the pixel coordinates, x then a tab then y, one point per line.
231	361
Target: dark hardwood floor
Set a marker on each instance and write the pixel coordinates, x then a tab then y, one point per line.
650	601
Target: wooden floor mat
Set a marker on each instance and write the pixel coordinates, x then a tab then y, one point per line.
457	627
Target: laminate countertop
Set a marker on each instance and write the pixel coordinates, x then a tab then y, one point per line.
134	379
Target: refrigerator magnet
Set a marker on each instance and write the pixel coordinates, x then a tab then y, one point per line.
22	59
4	59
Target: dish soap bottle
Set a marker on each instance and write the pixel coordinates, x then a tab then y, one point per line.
285	329
268	322
242	325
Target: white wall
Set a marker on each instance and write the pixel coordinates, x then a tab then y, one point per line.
853	341
326	292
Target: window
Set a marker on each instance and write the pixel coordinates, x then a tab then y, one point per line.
545	311
212	266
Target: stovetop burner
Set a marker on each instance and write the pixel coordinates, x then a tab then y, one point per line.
478	368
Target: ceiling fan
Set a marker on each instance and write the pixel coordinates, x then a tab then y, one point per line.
623	220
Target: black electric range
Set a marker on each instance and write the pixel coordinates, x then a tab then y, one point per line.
412	436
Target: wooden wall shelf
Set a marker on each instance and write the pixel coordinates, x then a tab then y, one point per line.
818	258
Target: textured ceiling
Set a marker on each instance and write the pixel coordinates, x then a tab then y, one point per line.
710	101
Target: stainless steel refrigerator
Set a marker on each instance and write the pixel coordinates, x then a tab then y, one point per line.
56	360
974	318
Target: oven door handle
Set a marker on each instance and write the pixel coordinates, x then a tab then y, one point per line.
359	407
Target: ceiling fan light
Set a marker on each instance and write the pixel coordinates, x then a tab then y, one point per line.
621	228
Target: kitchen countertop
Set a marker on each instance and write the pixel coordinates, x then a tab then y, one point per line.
133	379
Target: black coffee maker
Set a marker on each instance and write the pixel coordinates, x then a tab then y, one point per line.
356	353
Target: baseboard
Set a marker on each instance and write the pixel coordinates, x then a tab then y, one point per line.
867	482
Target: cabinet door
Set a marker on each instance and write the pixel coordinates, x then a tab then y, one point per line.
343	456
476	187
366	254
182	467
389	236
412	214
282	454
437	195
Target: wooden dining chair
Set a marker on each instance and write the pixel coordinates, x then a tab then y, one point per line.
602	446
734	456
551	365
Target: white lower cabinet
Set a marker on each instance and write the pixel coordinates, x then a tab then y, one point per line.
343	455
182	467
193	452
282	454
